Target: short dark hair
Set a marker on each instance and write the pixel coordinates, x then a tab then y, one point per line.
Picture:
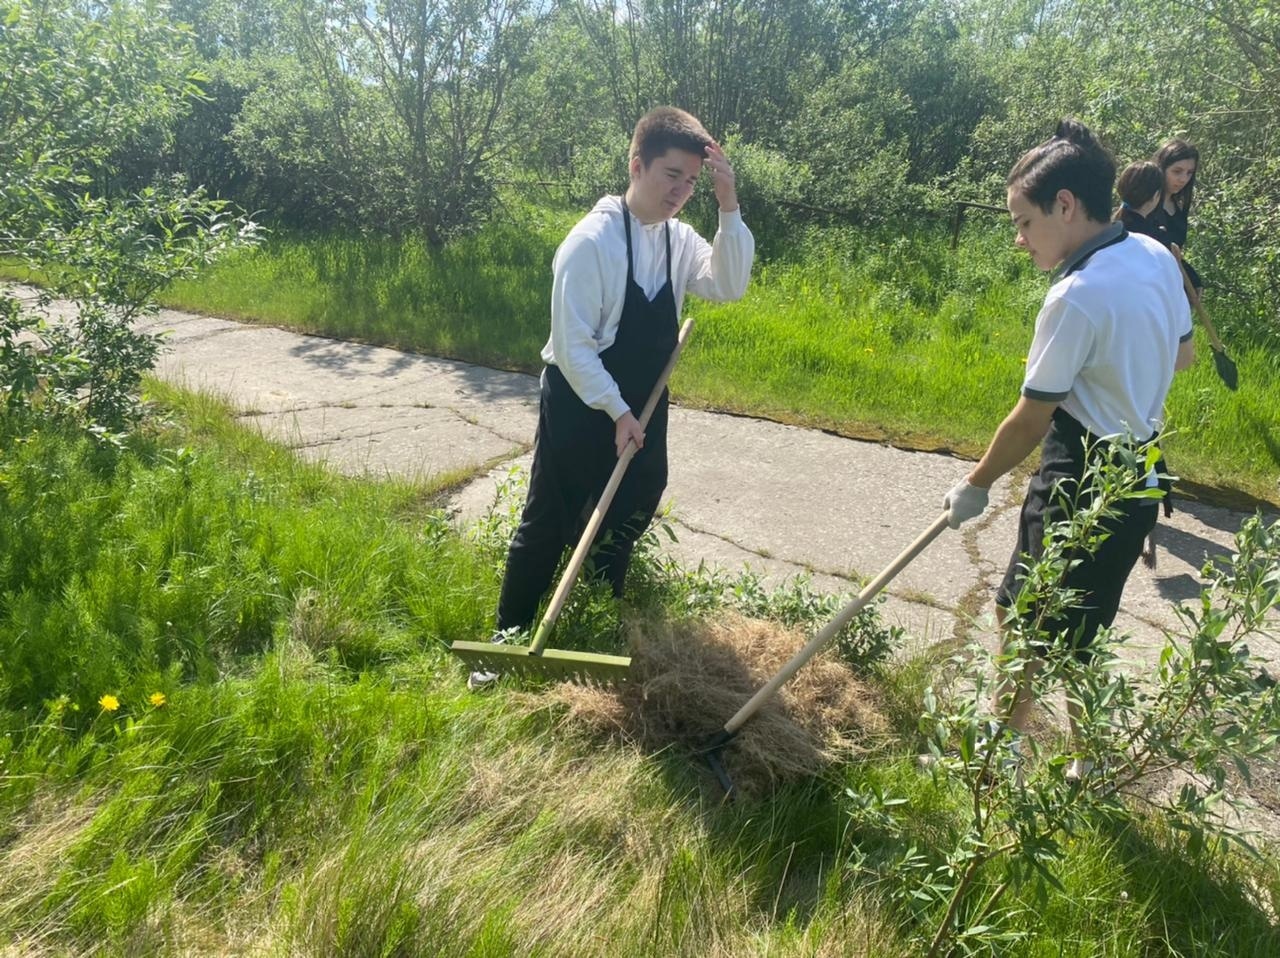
1072	159
1139	182
667	128
1169	154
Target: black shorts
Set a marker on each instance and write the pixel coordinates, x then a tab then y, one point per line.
1099	577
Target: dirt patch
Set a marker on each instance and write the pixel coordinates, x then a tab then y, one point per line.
689	678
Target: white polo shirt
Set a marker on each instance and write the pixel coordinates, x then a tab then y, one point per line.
589	282
1107	336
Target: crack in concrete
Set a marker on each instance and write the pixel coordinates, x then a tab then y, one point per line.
194	337
970	605
249	413
350	405
520	445
314	443
1161	627
908	595
490	429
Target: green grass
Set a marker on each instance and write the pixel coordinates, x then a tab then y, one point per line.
483	298
891	338
317	780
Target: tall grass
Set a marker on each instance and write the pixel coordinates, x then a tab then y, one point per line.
292	764
482	298
887	336
165	564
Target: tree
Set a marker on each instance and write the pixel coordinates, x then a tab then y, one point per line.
82	78
398	109
736	64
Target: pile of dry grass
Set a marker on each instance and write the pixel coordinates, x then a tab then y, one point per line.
689	678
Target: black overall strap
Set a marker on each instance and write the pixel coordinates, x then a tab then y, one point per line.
626	228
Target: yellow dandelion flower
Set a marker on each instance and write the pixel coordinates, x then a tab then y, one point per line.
109	703
157	699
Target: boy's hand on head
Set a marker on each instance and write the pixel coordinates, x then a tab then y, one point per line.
722	177
627	429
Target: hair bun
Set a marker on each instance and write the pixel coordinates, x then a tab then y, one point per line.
1073	131
1072	159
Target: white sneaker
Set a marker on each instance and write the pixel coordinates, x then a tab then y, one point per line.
481	678
1080	770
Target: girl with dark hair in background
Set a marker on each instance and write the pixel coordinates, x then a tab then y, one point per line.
1179	161
1140	187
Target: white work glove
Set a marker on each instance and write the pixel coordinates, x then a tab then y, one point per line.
964	502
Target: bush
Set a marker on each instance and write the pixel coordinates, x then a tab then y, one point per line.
80	82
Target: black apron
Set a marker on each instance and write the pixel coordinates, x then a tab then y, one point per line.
582	438
575	455
1063	460
1052	496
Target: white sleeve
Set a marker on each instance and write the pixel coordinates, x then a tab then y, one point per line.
577	313
1061	346
721	269
1181	307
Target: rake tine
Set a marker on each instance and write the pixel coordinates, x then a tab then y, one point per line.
712	754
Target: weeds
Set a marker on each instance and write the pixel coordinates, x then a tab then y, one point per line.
314	778
1200	716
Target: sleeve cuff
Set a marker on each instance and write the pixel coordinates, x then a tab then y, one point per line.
731	219
1185	336
617	408
1042	396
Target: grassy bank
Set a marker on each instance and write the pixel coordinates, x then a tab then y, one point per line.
227	726
895	339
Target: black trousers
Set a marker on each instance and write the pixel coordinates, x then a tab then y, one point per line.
1099	577
574	456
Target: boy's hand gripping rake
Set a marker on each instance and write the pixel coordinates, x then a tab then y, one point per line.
536	659
711	752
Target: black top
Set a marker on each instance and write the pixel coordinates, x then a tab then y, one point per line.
1174	224
1135	222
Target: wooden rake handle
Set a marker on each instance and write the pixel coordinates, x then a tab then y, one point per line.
1194	297
832	628
579	556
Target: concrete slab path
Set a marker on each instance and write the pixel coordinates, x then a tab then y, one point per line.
743	492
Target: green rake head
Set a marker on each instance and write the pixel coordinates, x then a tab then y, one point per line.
553	664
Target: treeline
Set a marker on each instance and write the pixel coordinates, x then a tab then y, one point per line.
411	116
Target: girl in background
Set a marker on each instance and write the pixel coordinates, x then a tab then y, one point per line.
1179	161
1140	187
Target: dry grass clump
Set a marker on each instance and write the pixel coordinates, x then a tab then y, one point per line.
688	678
